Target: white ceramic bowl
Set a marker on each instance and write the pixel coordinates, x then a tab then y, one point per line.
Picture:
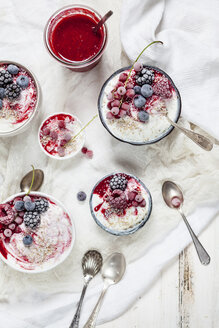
26	124
15	265
71	154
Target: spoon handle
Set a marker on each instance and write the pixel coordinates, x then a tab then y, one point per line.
199	139
91	322
202	254
75	321
102	21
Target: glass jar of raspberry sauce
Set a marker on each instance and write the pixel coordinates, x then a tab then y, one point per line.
70	38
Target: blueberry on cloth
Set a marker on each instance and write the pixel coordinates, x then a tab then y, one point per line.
22	81
27	240
81	196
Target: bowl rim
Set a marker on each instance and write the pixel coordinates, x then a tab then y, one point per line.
38	100
130	230
65	157
68	251
74	64
149	142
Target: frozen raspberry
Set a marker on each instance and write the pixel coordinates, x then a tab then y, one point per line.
123	77
84	150
161	88
62	142
61	124
7	215
131	195
89	154
46	131
118	200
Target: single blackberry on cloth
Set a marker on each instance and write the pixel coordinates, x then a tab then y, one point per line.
145	76
31	219
12	91
118	182
5	78
41	205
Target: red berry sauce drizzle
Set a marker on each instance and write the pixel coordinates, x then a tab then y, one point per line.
162	86
22	108
104	191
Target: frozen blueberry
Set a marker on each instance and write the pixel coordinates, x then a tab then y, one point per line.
27	240
29	206
19	205
139	101
143	116
2	93
22	81
137	89
1	104
146	90
81	196
13	69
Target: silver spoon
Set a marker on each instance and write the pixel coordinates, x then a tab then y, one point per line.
199	139
173	197
91	264
112	272
27	179
102	21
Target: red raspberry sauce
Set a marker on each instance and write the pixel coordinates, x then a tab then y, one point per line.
73	39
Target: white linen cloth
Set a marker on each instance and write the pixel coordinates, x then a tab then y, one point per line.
32	301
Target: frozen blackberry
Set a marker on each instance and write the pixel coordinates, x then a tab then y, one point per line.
12	91
31	219
5	78
118	182
145	76
41	205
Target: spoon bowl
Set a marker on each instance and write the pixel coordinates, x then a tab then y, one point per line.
114	268
170	190
27	179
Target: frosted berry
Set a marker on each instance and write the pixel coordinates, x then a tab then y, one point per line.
129	85
46	131
146	90
138	198
12	91
139	101
138	67
61	124
121	91
130	93
131	195
7	233
161	88
115	110
23	81
123	77
54	135
19	205
122	113
143	116
125	106
81	196
27	240
84	150
18	220
31	219
145	76
2	93
12	69
41	205
12	226
143	203
29	205
110	96
61	151
89	154
109	116
5	78
115	103
137	89
118	182
118	200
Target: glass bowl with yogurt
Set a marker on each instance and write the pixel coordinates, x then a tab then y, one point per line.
132	106
19	98
120	204
36	232
56	136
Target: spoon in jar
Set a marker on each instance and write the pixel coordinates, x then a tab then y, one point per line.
102	21
199	139
173	197
27	180
112	272
91	264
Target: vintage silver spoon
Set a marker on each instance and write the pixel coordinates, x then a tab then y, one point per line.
102	21
173	197
27	179
112	272
199	139
91	264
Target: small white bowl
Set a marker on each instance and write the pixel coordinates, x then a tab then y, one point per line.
71	154
15	265
26	124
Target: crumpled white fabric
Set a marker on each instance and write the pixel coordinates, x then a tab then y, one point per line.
49	300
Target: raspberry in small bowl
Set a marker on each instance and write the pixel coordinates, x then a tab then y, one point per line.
19	98
36	232
56	136
120	204
133	104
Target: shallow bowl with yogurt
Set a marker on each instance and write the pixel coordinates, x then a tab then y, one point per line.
129	128
52	239
123	221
